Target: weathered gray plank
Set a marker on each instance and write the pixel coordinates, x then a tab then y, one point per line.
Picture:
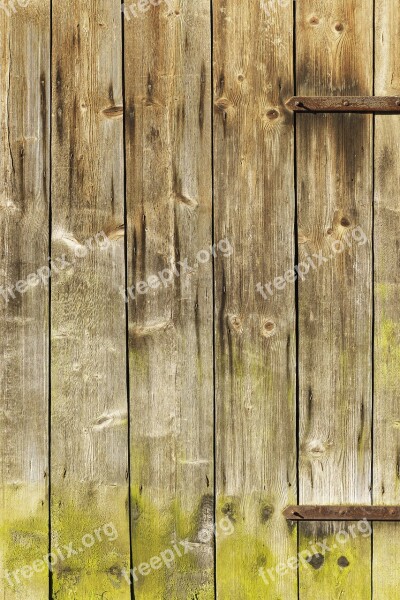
386	490
24	206
168	143
255	329
89	465
334	56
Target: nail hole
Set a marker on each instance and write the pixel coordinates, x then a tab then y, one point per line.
316	561
343	562
345	222
339	26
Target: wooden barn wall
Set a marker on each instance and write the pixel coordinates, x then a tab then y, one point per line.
169	384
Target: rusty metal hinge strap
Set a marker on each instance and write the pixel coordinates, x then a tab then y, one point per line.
339	104
342	513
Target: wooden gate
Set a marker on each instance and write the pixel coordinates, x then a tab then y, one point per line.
199	316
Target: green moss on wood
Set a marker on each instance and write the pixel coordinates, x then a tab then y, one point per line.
158	528
241	555
342	572
24	538
99	568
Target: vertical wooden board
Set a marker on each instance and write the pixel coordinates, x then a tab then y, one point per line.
169	205
24	201
334	155
89	427
255	328
386	488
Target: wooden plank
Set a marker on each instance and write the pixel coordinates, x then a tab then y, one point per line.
255	330
24	216
386	547
342	513
347	104
89	449
334	56
169	202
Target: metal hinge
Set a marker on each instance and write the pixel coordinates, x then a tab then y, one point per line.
340	104
342	513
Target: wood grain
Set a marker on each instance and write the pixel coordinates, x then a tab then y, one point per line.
169	205
255	331
89	450
24	215
386	490
334	56
194	145
347	104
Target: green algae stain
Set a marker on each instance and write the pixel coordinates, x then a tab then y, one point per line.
239	560
388	342
242	555
339	562
24	535
165	536
90	536
25	541
383	291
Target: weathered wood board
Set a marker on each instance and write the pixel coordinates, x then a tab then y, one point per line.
254	209
169	221
386	546
24	216
89	416
334	183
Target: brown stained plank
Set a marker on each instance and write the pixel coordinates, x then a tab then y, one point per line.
169	205
386	579
342	513
24	206
255	335
334	56
347	104
89	464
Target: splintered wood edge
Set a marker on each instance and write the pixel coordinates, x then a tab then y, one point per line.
342	513
361	104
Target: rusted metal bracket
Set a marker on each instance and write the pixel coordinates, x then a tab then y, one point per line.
342	513
346	104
